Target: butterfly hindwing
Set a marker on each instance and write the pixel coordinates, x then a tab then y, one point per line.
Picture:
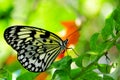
37	48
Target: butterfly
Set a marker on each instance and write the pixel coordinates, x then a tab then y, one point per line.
36	48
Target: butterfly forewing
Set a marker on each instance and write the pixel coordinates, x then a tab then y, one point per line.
37	48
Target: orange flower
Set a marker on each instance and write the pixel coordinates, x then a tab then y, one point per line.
71	33
11	59
42	76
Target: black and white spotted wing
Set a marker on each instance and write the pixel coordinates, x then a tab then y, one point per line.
37	48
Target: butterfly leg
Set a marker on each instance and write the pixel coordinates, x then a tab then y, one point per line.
73	51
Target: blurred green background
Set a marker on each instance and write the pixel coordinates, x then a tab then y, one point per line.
48	14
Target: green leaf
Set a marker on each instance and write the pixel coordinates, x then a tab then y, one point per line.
5	75
118	46
117	27
107	31
104	68
27	76
84	60
63	64
93	41
116	17
60	75
62	69
78	61
13	67
104	46
75	72
116	14
106	77
90	75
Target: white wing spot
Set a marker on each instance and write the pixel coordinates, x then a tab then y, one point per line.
24	60
17	48
22	51
21	57
29	66
26	63
36	69
33	68
36	55
42	56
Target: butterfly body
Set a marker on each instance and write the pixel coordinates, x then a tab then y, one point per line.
37	48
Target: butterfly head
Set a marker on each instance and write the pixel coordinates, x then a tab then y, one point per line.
65	42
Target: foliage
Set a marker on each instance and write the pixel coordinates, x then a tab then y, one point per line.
110	34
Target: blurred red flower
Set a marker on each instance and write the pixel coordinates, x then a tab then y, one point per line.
42	76
11	59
